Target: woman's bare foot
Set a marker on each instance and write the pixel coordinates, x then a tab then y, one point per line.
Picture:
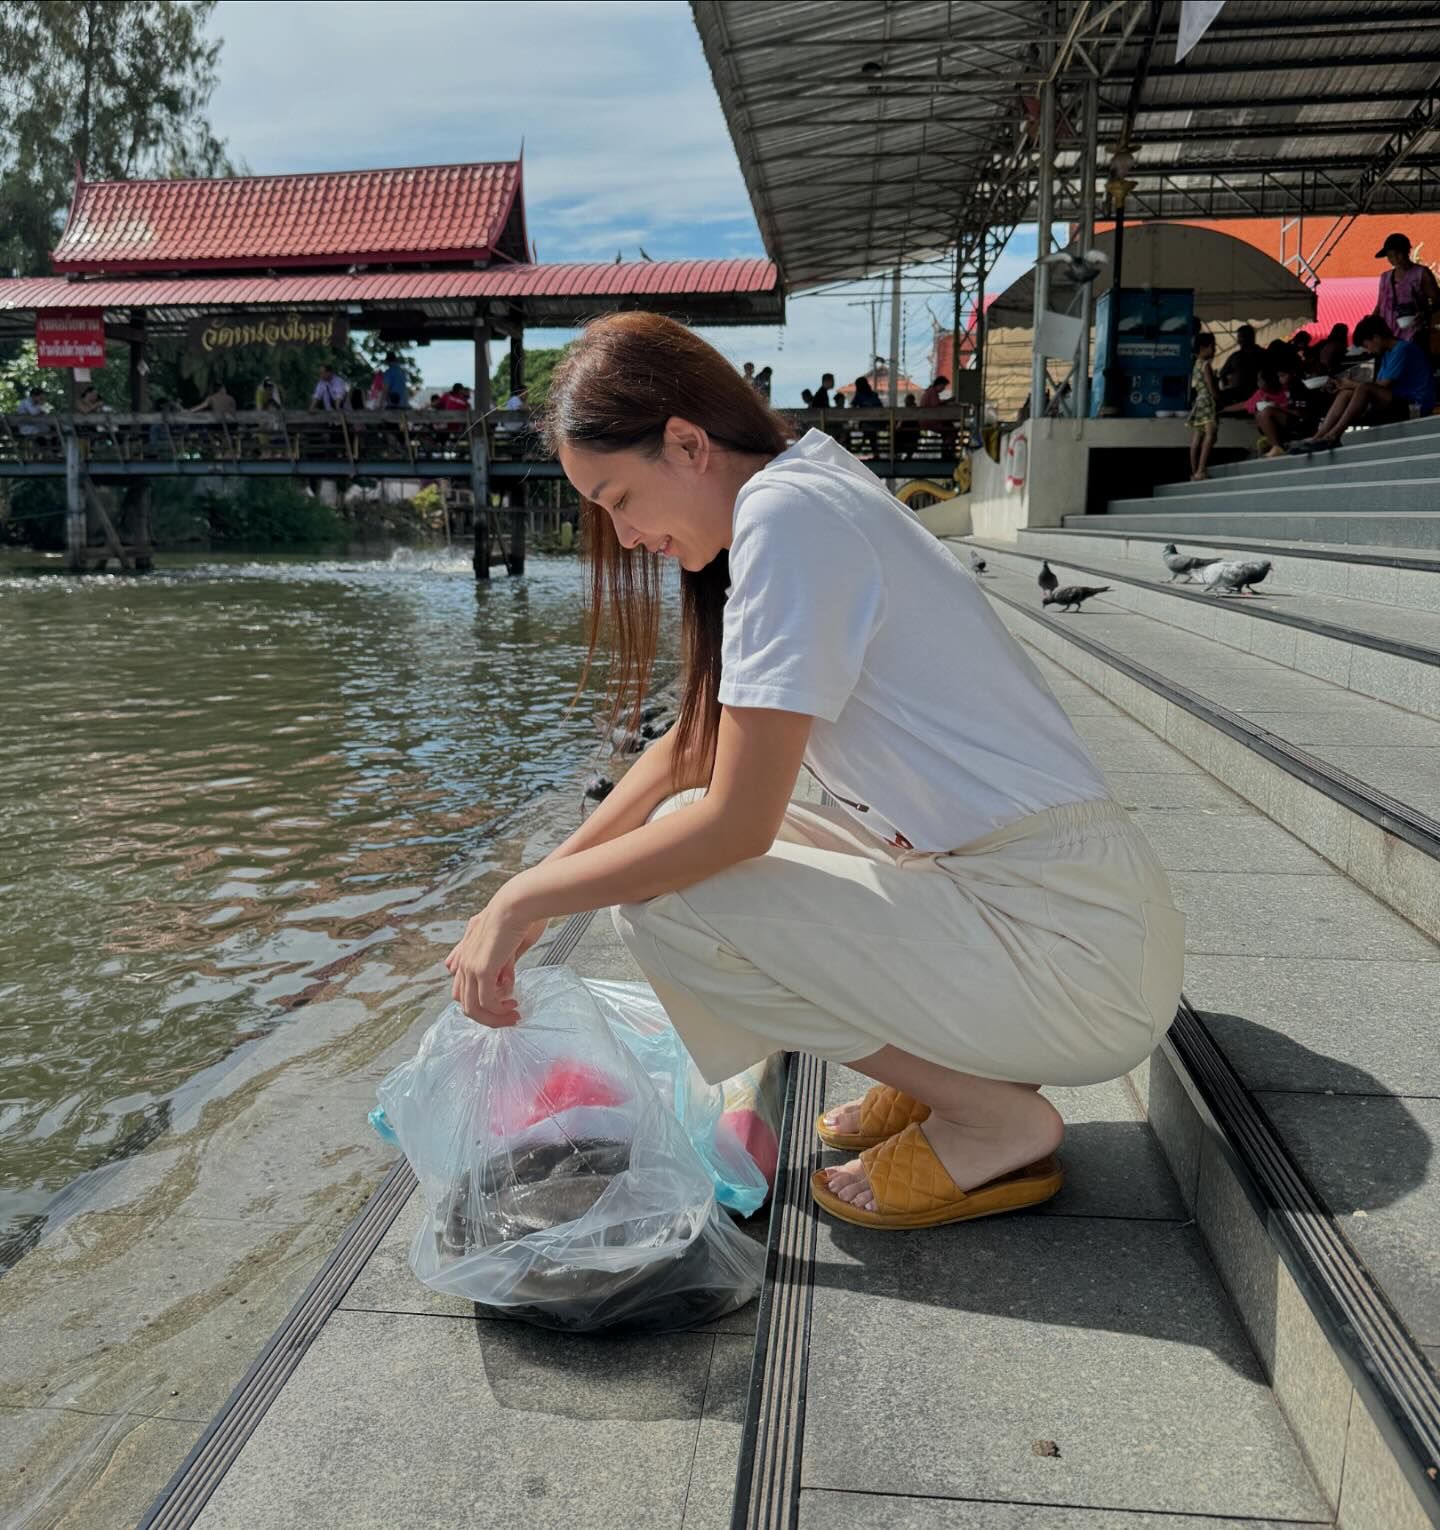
1276	451
970	1155
844	1120
1199	477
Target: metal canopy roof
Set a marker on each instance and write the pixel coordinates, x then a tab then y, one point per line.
877	134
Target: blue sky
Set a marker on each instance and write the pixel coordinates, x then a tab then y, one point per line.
624	142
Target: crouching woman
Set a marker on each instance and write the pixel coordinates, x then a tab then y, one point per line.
972	917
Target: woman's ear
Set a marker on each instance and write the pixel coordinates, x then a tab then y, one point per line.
690	440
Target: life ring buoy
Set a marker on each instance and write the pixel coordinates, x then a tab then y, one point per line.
1017	461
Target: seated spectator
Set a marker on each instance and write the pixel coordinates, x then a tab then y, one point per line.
378	397
749	372
330	392
219	400
1273	408
1301	342
32	403
820	399
458	398
930	398
763	379
1409	296
355	400
434	402
1403	380
1329	356
90	402
907	433
807	398
397	382
1240	375
267	395
865	397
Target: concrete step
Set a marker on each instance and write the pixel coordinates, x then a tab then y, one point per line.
1320	469
1356	448
1380	488
1375	649
1370	573
1298	1054
1414	532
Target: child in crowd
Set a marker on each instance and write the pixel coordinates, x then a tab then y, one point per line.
1272	408
1204	409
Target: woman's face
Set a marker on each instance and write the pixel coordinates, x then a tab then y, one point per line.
680	504
1397	258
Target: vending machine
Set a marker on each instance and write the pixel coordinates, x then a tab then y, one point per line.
1153	349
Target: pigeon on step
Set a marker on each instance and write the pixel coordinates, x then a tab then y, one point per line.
1047	580
1179	563
1225	577
1073	596
977	565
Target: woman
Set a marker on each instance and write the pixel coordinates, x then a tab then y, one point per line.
1204	420
975	919
1409	296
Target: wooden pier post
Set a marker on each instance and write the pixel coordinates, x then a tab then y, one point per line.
479	452
75	523
136	523
515	563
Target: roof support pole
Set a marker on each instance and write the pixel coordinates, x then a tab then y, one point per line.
1089	152
137	490
1044	206
892	389
479	452
517	360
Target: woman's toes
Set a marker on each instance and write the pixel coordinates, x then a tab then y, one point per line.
844	1119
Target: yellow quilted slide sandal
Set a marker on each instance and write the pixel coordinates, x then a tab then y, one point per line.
912	1189
883	1112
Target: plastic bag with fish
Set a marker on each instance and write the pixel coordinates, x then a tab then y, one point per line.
559	1186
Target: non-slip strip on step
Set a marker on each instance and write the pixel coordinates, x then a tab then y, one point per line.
767	1481
1378	1354
1415	652
184	1497
1395	817
1326	554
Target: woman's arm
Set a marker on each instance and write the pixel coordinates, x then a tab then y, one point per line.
647	783
757	758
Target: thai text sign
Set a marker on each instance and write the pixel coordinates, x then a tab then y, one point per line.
221	332
71	337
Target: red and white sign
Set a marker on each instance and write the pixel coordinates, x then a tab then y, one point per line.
73	337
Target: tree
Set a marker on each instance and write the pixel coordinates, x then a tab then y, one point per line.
118	87
539	366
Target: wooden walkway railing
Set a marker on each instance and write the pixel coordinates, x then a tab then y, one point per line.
394	441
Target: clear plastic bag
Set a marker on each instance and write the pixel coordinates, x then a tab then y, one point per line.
637	1017
559	1183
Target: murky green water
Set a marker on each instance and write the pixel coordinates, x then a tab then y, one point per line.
216	781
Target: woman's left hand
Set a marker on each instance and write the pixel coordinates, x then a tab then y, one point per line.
483	962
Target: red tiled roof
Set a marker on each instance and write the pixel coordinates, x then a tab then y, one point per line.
659	278
433	213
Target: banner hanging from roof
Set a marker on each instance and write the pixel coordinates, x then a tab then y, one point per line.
74	337
217	333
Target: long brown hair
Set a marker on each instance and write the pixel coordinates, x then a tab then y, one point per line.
620	383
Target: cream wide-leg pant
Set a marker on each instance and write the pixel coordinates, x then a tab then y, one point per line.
1048	952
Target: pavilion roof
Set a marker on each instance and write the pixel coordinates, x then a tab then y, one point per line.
430	213
427	302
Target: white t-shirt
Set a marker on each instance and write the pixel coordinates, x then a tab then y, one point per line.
931	723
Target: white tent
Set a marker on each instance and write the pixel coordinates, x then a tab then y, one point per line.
1231	279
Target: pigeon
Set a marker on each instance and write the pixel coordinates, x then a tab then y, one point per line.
977	565
1081	269
1074	595
658	728
599	787
1223	577
1178	563
1047	580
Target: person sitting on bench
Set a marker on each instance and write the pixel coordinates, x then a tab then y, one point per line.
1402	379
